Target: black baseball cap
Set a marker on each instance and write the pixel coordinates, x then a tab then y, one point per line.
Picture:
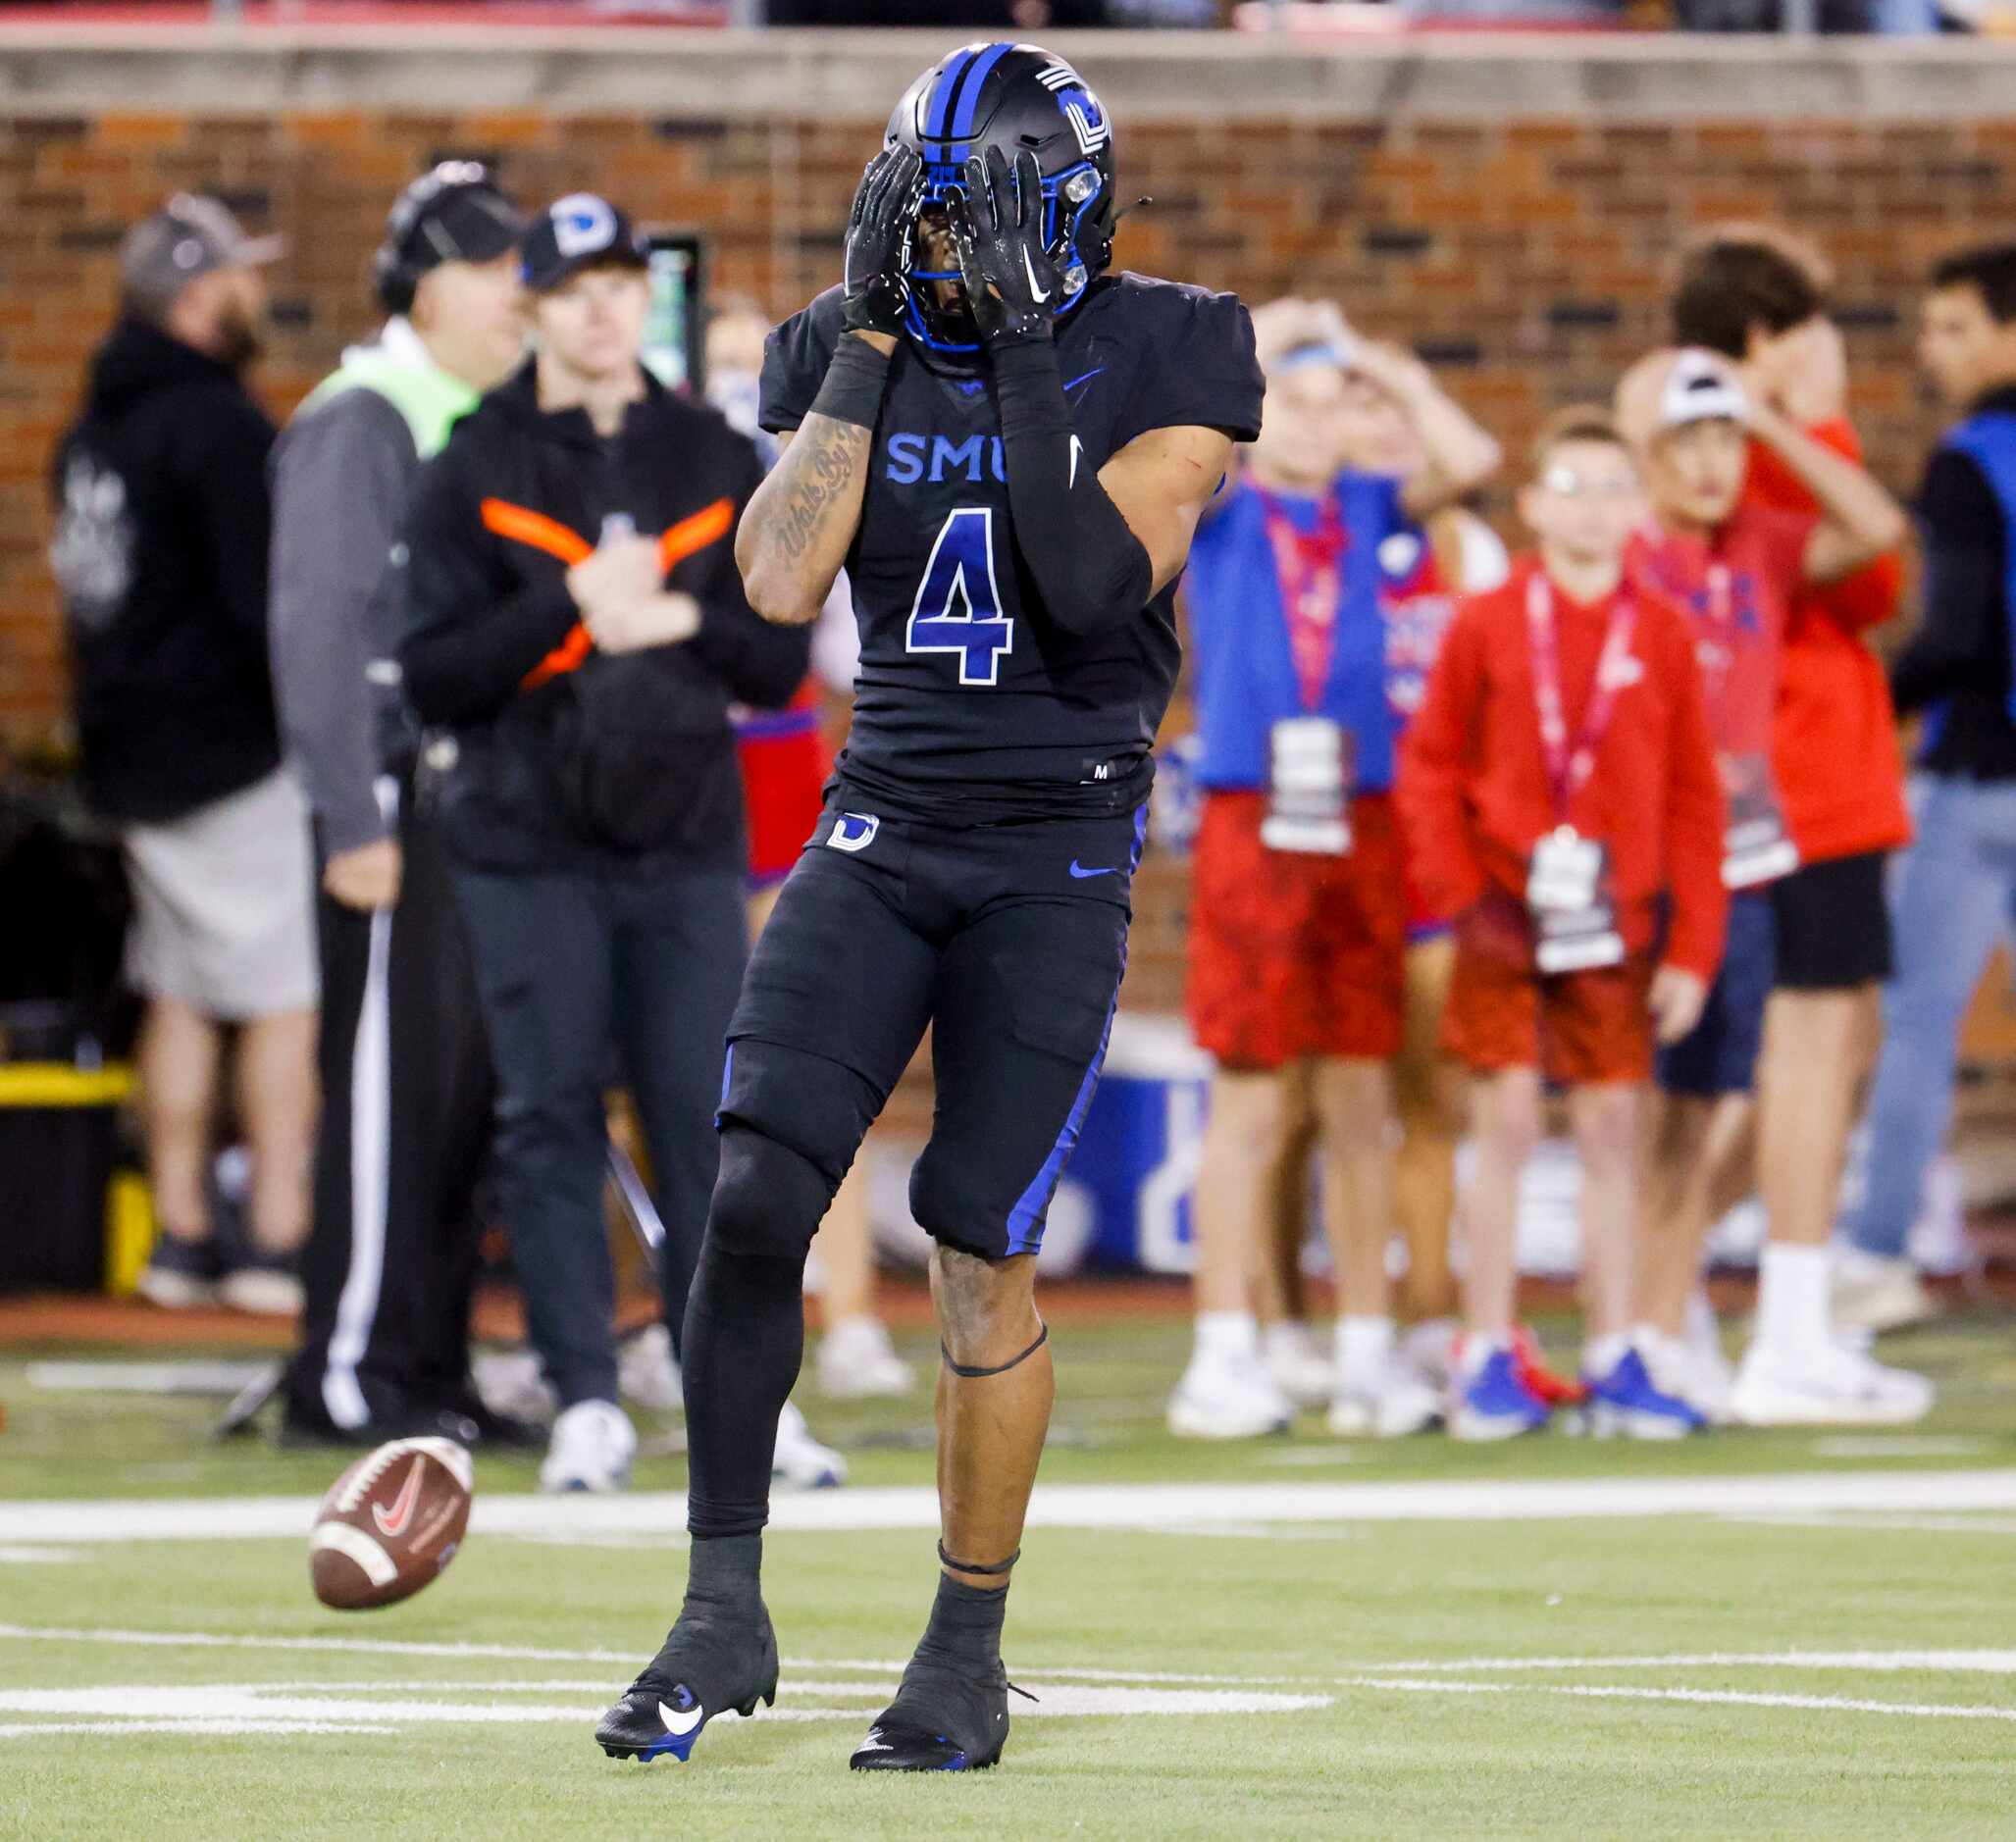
456	213
575	232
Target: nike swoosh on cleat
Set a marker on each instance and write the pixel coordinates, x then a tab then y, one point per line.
1079	871
680	1725
1041	294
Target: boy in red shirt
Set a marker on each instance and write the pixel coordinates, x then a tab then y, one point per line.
1733	569
1560	797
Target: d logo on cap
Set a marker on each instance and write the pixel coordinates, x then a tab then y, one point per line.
582	225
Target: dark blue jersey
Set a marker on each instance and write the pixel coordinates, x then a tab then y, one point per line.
971	701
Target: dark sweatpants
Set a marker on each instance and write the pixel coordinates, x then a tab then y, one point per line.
644	959
391	1259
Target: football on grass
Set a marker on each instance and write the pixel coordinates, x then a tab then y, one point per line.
390	1523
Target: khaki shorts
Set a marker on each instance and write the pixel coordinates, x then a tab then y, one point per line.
224	905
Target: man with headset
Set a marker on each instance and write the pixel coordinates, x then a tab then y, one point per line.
405	1070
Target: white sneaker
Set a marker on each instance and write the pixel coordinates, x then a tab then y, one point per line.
1825	1385
800	1462
1223	1397
857	1362
1390	1402
648	1372
262	1288
1297	1363
1697	1373
511	1382
1874	1294
1429	1350
592	1445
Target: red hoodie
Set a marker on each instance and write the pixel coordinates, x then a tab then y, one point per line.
1835	752
1474	791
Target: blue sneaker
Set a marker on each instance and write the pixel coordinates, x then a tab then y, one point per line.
1496	1401
1626	1403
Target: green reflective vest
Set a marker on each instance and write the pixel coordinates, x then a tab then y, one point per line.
431	400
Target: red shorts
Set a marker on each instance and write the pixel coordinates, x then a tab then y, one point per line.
1581	1029
785	762
1294	956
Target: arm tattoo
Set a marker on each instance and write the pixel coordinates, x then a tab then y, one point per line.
823	467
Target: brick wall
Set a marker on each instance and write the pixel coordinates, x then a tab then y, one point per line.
1527	257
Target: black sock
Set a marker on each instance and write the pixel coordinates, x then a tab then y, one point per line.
744	1340
724	1572
967	1620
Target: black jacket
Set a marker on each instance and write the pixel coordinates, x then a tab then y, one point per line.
565	755
162	527
1959	656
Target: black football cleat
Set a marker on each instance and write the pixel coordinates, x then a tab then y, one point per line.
949	1716
709	1664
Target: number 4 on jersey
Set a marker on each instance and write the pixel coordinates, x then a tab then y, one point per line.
958	608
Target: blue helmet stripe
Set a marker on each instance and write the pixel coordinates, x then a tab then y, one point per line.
972	85
939	107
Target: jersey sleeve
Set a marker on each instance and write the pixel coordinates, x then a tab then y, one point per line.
1198	371
794	360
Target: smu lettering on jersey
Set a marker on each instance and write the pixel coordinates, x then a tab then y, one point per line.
970	701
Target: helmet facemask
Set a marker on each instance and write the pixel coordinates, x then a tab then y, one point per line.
1045	108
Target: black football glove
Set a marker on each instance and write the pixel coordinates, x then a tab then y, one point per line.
997	225
879	229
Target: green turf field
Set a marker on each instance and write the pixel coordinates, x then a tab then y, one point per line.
1800	1634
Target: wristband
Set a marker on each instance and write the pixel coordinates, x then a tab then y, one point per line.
854	383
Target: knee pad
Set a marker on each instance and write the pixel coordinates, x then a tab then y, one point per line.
769	1199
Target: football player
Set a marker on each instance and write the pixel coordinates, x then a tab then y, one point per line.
1009	449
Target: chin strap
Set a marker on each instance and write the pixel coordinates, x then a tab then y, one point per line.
980	1374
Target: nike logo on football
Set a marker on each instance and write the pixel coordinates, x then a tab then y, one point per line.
680	1725
1037	294
1079	871
392	1523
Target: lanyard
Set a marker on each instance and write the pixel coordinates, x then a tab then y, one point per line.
1310	569
1568	768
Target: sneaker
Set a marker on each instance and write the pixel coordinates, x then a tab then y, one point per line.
1628	1403
1495	1401
263	1286
513	1382
1550	1385
857	1362
1827	1385
1389	1402
648	1372
1701	1377
1711	1379
1297	1363
711	1662
946	1716
1225	1396
800	1462
592	1443
1429	1350
1876	1294
181	1276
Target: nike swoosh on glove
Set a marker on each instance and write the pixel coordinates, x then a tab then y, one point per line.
879	231
1013	285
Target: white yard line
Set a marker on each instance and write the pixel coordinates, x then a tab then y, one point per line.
1888	1661
1730	1698
1167	1508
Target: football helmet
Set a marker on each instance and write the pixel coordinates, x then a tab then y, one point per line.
1012	98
